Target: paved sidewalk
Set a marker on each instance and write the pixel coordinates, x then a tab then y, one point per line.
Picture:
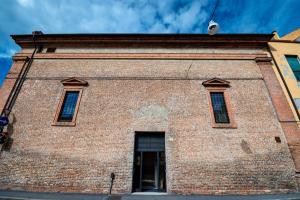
217	197
18	195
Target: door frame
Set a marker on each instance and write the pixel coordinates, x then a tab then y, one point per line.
157	175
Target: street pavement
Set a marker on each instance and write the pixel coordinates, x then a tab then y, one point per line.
20	195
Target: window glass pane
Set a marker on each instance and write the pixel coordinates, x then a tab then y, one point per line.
68	107
293	62
219	107
297	75
295	65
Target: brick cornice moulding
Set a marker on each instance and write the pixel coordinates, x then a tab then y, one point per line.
173	56
21	57
144	40
264	59
73	81
216	82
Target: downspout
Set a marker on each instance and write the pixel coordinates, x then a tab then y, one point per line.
285	84
4	111
20	79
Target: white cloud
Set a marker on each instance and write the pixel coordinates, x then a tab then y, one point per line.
25	3
139	16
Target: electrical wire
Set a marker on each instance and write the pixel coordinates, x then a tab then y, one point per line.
213	13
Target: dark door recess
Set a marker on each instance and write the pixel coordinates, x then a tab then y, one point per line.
149	173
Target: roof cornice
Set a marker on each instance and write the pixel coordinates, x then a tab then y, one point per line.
144	40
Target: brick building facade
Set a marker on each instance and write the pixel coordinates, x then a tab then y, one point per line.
145	107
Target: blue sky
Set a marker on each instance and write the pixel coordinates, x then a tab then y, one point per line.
140	16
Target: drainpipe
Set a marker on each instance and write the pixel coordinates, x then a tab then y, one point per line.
285	85
20	79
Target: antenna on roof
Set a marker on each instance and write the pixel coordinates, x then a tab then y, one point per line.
213	27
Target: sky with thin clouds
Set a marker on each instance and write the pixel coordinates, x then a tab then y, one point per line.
140	16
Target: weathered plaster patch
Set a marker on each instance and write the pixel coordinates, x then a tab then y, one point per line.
151	118
152	111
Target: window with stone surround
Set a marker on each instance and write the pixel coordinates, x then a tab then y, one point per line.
219	103
68	105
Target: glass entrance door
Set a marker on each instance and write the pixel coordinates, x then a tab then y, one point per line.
149	171
149	164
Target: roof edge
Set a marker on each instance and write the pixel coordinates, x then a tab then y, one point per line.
125	39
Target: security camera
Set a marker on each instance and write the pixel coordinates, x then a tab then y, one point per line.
213	27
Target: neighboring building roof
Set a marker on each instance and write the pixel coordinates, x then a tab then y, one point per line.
149	40
292	36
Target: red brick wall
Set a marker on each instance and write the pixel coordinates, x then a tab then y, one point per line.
284	113
129	95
